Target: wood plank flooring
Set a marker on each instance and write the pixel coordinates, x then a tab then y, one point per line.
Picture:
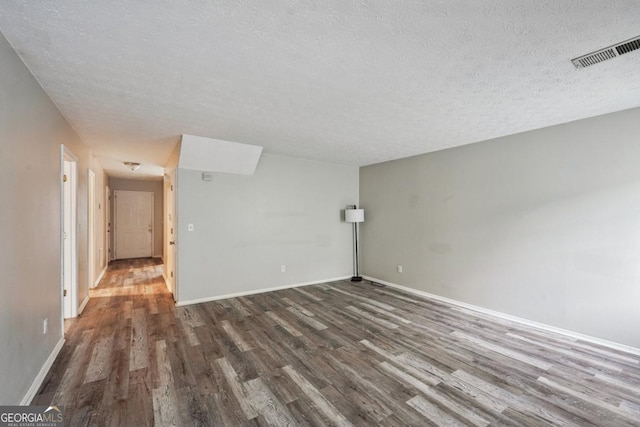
333	354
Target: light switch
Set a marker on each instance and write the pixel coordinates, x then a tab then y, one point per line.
190	227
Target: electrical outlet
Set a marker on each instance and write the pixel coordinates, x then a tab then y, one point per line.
190	227
283	268
45	326
399	269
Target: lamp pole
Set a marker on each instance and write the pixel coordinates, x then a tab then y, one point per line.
355	215
357	277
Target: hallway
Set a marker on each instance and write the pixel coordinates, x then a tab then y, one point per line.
104	373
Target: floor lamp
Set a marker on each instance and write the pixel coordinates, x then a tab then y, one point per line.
354	216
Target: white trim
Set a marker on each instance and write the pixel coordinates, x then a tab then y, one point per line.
532	323
83	305
170	233
91	228
67	155
257	291
175	179
107	224
100	276
37	382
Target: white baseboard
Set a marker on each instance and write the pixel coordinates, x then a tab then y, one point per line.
100	276
257	291
532	323
83	305
35	386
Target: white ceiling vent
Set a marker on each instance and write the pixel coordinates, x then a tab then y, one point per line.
607	53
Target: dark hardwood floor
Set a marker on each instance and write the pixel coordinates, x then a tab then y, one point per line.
330	354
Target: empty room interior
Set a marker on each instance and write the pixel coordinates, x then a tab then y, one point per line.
321	212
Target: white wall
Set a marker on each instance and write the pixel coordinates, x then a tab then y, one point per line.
543	225
246	227
31	131
155	187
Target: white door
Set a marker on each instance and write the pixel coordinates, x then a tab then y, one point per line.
69	225
107	225
133	211
170	233
91	229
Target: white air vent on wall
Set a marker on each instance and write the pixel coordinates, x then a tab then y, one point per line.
607	53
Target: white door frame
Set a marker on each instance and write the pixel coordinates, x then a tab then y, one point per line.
70	252
115	220
107	224
171	232
91	228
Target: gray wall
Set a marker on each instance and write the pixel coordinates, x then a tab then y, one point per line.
544	225
156	187
31	131
246	227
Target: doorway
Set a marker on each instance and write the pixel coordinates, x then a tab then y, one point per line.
91	229
69	226
133	225
170	232
107	226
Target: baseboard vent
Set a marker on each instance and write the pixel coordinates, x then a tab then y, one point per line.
607	53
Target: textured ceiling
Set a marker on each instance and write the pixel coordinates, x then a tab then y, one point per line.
356	82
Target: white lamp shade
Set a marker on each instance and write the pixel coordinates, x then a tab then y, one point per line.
354	215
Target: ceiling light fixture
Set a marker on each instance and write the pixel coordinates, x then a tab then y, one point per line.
133	165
